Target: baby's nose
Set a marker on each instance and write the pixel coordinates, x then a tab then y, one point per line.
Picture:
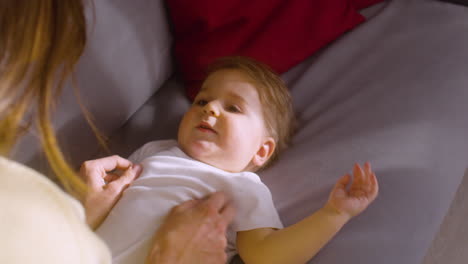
211	109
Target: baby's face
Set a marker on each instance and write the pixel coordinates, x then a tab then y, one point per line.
224	127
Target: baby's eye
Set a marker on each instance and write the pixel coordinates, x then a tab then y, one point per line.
233	109
201	102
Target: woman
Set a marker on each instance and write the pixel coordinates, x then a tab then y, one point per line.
40	43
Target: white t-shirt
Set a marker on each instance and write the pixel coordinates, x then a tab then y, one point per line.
170	177
39	223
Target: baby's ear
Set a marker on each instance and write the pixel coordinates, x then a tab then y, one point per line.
264	152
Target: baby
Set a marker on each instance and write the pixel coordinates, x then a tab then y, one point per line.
239	122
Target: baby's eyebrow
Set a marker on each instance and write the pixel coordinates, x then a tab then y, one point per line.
237	97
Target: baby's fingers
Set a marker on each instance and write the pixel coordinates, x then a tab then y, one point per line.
363	183
342	183
339	190
368	169
359	176
365	174
374	187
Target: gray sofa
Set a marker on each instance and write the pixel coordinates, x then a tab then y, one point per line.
393	91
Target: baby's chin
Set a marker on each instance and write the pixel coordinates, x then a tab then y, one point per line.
206	152
200	150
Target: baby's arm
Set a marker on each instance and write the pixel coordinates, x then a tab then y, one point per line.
300	242
295	244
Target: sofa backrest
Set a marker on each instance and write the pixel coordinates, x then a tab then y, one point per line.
126	60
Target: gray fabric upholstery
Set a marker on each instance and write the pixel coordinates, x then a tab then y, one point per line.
451	243
392	92
126	60
157	119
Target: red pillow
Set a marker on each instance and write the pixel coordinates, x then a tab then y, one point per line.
361	4
280	33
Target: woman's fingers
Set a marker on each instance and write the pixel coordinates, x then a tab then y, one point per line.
94	177
113	162
128	176
216	200
105	186
110	177
189	204
227	213
194	231
94	171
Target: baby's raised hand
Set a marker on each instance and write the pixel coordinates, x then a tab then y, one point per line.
355	199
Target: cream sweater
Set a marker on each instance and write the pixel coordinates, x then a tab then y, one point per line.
39	223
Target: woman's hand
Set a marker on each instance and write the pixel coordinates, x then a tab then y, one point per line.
194	232
361	193
105	186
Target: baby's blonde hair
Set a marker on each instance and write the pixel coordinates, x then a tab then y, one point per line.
274	98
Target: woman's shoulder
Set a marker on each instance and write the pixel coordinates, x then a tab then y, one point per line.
30	189
17	178
37	217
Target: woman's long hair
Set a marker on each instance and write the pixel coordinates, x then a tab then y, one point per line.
40	43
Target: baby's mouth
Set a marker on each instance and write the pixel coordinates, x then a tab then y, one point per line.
204	127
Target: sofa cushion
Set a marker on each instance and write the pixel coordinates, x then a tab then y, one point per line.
361	4
126	60
392	92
